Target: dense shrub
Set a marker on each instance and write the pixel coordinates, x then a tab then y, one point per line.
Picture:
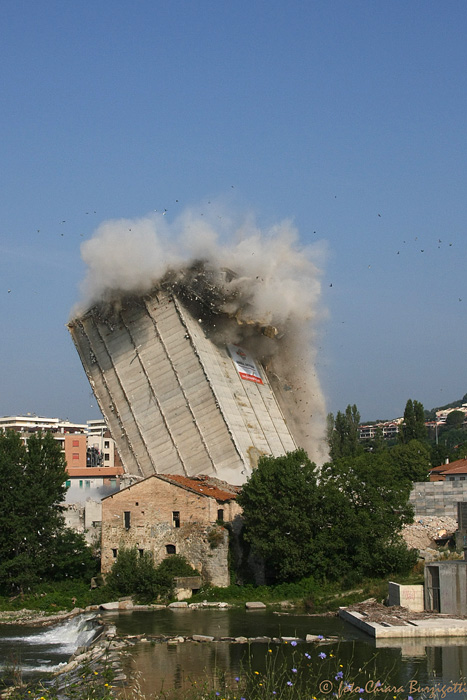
137	575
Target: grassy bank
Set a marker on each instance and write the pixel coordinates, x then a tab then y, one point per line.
308	595
52	597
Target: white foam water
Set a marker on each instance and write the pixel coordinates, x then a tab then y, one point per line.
45	650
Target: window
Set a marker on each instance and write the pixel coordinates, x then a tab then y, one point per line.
80	483
114	553
106	445
220	514
170	549
75	443
87	484
106	456
68	484
176	518
451	478
75	455
113	482
127	518
462	478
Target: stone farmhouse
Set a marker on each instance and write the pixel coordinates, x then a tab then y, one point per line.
173	514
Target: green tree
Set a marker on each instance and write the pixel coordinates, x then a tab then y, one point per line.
338	523
413	426
31	521
373	503
412	461
138	576
342	433
455	419
280	506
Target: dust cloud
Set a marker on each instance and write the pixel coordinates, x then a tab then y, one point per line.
257	287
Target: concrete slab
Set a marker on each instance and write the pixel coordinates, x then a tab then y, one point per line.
427	627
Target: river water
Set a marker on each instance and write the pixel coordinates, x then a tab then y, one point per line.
411	664
33	651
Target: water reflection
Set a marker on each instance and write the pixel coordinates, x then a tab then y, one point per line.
166	666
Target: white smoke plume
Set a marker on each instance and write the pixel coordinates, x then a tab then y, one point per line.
272	281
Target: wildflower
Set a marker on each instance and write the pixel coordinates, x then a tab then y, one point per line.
320	636
322	655
257	673
294	670
237	679
307	656
289	683
270	651
410	697
218	694
338	676
293	644
96	673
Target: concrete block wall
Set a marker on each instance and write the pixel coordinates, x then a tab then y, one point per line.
438	498
410	597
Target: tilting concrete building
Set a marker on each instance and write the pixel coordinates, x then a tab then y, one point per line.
175	400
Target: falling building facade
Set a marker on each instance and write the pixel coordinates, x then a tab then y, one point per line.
176	401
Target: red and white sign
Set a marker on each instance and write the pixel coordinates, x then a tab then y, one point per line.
245	364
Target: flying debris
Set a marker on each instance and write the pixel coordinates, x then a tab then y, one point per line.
202	326
196	323
247	415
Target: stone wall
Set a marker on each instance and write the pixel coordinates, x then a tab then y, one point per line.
151	525
438	498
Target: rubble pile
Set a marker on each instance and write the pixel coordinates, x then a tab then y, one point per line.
393	615
427	532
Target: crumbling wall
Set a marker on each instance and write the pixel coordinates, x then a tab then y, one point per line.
151	526
175	400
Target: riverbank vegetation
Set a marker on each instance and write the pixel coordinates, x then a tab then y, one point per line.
338	523
290	671
314	536
35	545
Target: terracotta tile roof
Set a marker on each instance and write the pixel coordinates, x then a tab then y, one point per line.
457	467
204	485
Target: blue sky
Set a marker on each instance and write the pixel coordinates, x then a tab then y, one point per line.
347	118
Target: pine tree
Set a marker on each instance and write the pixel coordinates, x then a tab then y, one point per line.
413	426
343	433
